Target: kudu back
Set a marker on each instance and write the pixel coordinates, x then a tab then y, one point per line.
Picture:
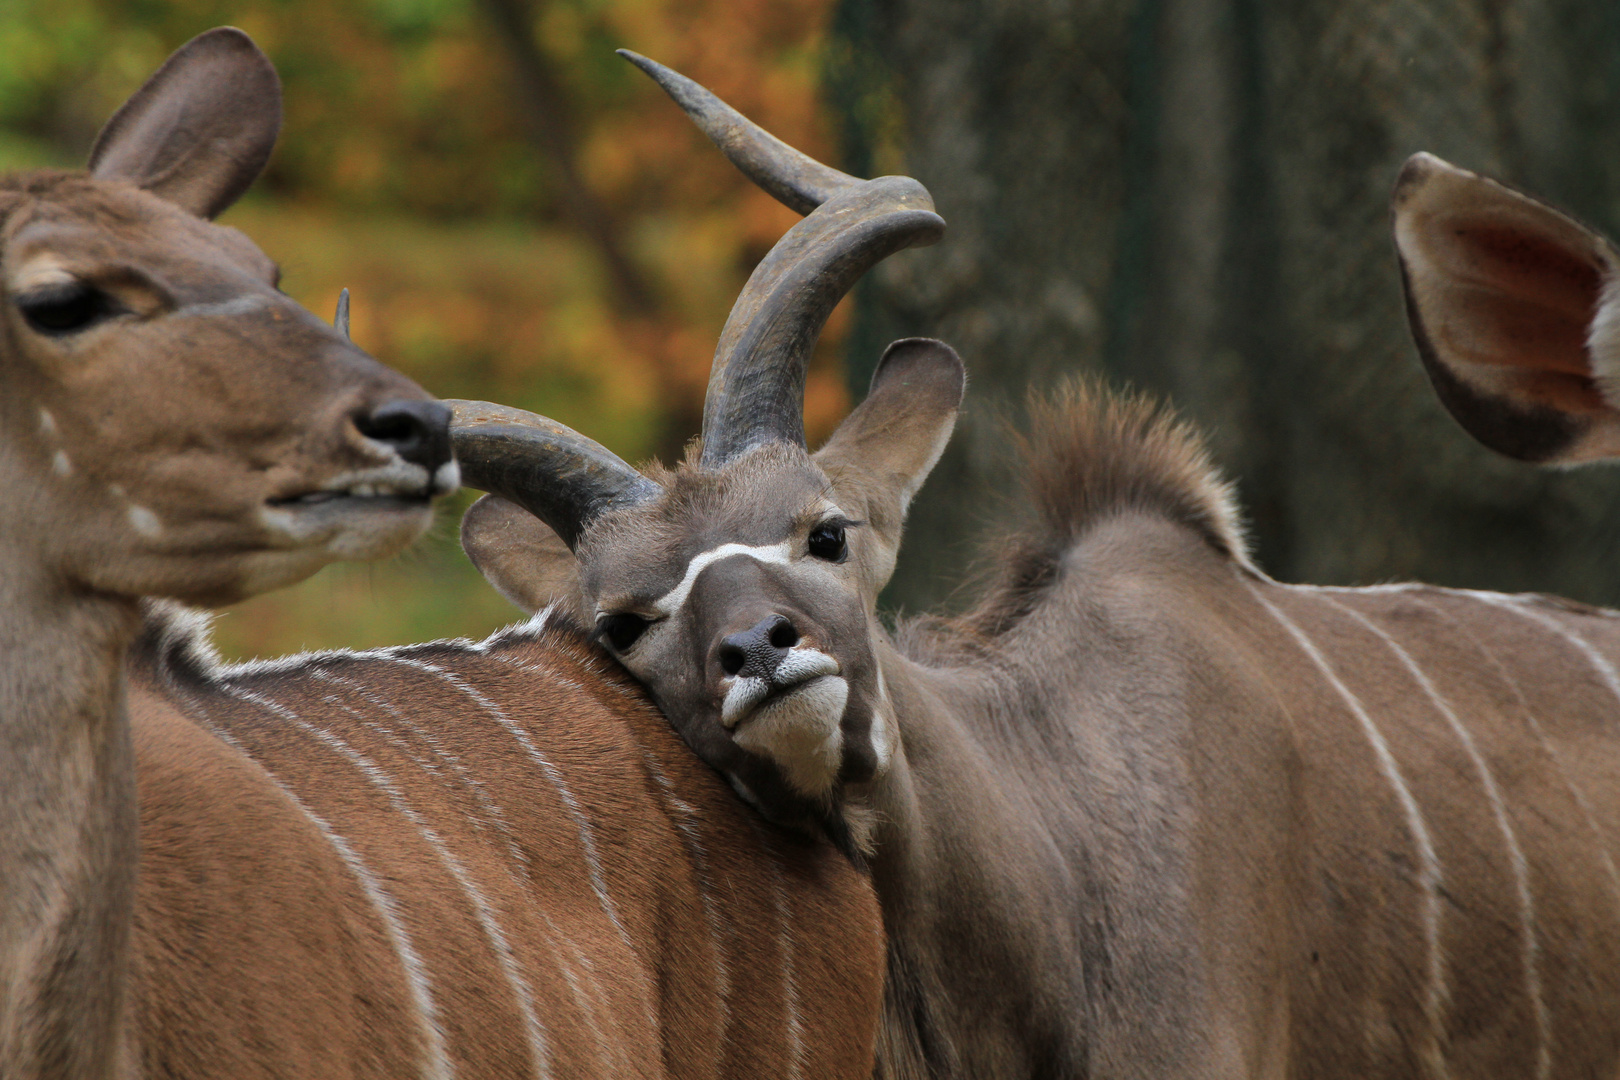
486	860
1142	811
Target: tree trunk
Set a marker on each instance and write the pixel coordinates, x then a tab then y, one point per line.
1191	196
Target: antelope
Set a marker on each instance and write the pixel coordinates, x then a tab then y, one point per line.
174	426
1142	810
456	859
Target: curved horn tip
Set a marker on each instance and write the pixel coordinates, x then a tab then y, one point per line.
341	319
793	178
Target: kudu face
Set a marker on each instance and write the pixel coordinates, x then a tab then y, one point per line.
741	587
736	598
189	430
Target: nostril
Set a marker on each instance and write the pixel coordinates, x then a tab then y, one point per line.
732	658
418	431
784	635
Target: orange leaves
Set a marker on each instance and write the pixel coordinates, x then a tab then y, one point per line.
406	173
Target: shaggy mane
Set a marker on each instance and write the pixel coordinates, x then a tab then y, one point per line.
1091	454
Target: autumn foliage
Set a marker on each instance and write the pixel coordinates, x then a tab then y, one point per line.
410	172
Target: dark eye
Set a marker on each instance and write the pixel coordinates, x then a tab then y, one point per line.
827	541
66	308
621	629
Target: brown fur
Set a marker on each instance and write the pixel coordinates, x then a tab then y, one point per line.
744	952
1092	455
1147	813
1515	310
170	425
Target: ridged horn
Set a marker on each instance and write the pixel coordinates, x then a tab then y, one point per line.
552	471
756	386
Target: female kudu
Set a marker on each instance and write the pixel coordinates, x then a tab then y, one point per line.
1142	811
171	425
454	860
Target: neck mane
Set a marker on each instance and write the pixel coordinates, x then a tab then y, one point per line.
1012	798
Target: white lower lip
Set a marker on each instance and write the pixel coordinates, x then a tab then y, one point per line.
780	699
800	730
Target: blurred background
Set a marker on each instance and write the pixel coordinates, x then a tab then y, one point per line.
1187	195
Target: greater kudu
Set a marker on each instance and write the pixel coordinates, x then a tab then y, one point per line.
485	860
1142	811
171	425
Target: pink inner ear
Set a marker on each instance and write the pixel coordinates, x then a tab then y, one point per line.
1515	300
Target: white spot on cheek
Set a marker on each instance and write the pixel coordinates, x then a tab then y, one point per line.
60	464
882	741
447	479
145	522
47	423
117	492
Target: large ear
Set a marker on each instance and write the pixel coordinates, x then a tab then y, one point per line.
201	129
518	554
884	450
1516	313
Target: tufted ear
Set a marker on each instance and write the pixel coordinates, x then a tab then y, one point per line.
200	130
519	555
884	450
1515	309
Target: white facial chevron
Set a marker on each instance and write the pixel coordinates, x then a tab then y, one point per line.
668	604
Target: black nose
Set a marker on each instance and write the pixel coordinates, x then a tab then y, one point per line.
758	650
418	431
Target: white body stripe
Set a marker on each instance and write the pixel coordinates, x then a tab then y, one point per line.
576	813
671	602
464	775
586	1000
1547	745
1428	863
502	948
784	937
1521	868
587	837
686	820
1600	663
437	1066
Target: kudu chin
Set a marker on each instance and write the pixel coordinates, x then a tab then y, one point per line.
1142	811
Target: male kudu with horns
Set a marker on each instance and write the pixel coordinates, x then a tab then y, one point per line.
458	859
1142	811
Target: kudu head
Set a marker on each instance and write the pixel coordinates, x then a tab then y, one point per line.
1516	312
171	423
740	586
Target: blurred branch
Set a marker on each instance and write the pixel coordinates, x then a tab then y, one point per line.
552	129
